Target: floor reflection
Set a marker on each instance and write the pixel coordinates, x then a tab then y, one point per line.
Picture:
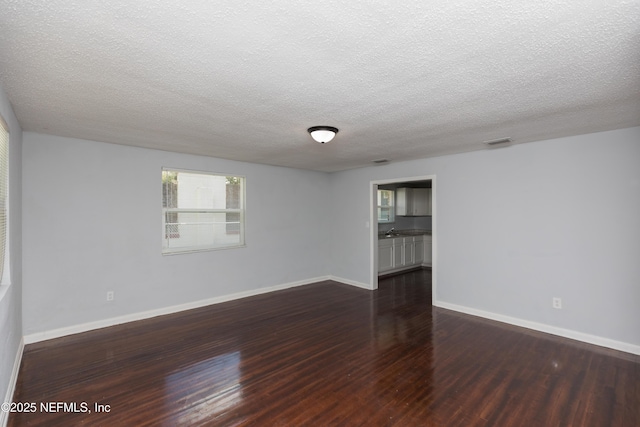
205	389
404	348
403	309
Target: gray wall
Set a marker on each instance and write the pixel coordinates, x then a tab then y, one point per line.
92	223
519	225
11	301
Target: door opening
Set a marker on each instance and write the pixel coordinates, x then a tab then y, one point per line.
394	216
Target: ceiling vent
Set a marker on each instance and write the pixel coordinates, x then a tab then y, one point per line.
500	141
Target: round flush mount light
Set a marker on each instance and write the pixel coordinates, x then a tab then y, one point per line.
322	134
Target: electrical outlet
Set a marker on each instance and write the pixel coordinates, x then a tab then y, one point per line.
557	303
110	296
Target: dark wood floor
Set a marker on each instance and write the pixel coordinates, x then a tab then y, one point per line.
328	354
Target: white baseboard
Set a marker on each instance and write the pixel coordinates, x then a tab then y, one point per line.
76	329
541	327
4	416
351	282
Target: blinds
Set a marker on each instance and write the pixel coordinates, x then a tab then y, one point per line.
4	177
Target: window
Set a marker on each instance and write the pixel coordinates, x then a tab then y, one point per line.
386	206
201	211
4	199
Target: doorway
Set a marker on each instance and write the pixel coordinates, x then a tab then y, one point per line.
418	181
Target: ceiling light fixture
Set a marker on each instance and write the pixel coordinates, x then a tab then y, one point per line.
322	134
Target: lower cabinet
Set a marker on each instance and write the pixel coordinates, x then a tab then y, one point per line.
427	251
418	254
400	253
385	255
398	243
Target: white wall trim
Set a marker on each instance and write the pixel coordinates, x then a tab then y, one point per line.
366	286
84	327
541	327
4	416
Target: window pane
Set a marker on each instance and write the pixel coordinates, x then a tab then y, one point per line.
201	211
385	198
197	230
386	209
233	223
169	189
201	191
384	215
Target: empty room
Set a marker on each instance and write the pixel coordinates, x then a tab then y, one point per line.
315	214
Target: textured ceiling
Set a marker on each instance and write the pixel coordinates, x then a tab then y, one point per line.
244	79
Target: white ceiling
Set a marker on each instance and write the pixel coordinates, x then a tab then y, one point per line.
243	80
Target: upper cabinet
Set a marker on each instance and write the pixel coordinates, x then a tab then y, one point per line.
413	202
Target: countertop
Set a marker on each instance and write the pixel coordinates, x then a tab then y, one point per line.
404	233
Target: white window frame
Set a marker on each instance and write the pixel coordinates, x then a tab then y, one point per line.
5	277
166	236
392	207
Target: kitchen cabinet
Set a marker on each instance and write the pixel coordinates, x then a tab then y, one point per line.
398	243
418	254
400	253
413	201
385	255
408	249
428	251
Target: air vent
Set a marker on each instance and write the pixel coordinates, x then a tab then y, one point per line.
500	141
381	161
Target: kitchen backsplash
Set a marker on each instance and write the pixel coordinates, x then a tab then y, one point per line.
407	223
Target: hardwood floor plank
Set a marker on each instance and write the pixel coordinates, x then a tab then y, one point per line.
328	354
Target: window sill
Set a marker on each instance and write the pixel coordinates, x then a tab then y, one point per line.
191	251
